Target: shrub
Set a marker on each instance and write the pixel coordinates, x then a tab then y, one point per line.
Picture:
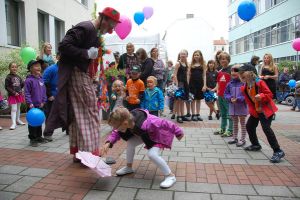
286	63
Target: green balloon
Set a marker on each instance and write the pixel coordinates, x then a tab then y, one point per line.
27	54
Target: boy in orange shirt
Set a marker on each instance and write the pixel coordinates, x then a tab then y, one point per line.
134	88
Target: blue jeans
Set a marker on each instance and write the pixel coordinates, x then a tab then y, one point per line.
297	103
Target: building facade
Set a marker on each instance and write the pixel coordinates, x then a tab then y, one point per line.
33	22
272	30
221	45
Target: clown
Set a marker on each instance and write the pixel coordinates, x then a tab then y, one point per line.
75	107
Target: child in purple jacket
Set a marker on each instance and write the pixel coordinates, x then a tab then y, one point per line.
35	97
237	106
137	127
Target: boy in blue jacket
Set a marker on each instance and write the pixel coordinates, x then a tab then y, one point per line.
153	100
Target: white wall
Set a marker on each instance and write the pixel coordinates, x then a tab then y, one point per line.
69	11
190	34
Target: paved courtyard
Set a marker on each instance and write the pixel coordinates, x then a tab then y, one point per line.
206	167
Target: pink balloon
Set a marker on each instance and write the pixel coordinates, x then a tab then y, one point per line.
124	28
148	12
296	44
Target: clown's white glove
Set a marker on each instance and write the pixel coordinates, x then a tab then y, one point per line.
92	53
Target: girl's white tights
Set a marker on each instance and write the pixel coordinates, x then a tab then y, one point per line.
153	155
15	115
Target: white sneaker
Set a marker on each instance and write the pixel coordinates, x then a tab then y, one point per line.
168	182
20	122
13	127
124	171
1	128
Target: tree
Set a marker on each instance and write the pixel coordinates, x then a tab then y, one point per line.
286	63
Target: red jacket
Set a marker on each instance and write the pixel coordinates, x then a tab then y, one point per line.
266	103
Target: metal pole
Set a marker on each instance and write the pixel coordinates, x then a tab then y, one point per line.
297	60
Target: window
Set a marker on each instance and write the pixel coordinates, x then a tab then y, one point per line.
268	4
84	2
43	26
297	26
59	32
14	22
274	34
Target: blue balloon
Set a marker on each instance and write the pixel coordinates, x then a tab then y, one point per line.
246	10
35	117
139	17
292	83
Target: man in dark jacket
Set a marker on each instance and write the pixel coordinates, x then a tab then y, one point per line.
75	106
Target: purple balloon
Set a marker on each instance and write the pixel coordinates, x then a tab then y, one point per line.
148	12
124	28
296	44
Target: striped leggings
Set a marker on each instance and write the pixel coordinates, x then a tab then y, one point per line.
235	120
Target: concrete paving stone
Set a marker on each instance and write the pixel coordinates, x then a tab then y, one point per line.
3	145
202	150
257	155
283	162
213	155
218	142
8	178
239	151
259	198
197	145
23	184
55	150
216	146
135	183
295	190
238	155
11	169
96	195
191	196
258	162
228	197
207	160
191	142
238	189
178	186
123	193
106	183
226	151
181	159
196	154
17	146
2	186
203	187
36	172
8	195
181	149
144	194
282	191
285	198
39	148
205	142
170	153
233	161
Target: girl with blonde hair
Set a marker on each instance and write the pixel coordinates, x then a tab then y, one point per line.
139	127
